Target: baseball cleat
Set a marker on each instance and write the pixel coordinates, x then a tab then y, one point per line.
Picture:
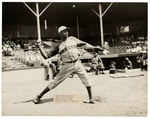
91	102
36	100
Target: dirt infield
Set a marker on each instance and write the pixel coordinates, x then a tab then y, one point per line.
121	94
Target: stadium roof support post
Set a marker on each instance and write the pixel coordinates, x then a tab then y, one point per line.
100	15
78	32
38	14
101	25
45	8
30	8
38	22
107	9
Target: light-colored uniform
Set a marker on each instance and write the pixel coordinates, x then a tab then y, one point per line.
69	54
97	63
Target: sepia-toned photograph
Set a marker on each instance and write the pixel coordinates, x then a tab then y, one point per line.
74	59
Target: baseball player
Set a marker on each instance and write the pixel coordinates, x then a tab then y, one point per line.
127	63
97	64
69	53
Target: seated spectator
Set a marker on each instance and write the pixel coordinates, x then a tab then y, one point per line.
4	49
139	60
25	46
144	62
144	48
106	45
127	64
134	49
139	48
112	67
7	50
128	49
106	52
18	47
10	51
29	47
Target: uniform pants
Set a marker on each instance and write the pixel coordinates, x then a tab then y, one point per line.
69	68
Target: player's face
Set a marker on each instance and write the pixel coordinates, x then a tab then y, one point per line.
64	34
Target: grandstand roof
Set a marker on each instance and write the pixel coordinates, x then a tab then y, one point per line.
65	13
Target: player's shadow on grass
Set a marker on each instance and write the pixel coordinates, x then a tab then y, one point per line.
41	102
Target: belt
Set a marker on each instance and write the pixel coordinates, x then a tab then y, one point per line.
72	61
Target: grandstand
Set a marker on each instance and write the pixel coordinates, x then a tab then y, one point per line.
123	25
118	49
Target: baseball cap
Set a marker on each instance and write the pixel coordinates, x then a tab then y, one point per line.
62	28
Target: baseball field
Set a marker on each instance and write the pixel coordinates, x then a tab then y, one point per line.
120	94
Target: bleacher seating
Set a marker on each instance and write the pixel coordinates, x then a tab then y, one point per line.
118	49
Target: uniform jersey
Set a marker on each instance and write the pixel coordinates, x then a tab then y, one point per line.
97	62
67	49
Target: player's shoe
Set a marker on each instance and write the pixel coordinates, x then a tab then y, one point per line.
91	102
36	100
